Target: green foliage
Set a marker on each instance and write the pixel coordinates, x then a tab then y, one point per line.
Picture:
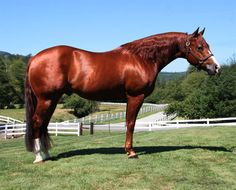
207	97
166	92
6	89
17	76
80	106
12	75
197	95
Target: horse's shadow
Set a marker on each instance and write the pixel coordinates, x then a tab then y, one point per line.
141	150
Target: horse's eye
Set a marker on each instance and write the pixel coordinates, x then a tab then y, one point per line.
199	47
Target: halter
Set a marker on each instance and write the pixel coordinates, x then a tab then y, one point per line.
200	61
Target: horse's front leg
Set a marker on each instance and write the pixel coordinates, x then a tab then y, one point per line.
133	106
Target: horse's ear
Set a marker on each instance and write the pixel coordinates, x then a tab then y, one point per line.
202	32
195	34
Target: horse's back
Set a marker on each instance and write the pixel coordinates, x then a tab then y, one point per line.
67	69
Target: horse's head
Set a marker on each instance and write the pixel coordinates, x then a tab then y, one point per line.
198	53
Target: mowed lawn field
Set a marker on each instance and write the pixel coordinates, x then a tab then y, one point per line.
197	158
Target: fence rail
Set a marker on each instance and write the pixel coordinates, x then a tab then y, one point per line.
176	124
8	120
110	117
74	128
53	128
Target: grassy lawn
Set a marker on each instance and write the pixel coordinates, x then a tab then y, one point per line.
105	108
197	158
14	113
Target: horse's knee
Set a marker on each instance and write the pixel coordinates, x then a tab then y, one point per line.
37	121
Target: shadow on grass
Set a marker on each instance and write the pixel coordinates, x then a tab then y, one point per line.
139	150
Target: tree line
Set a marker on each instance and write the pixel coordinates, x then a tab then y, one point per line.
189	94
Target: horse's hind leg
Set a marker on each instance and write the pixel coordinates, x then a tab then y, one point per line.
133	106
41	118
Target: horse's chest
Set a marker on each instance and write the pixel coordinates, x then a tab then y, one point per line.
139	82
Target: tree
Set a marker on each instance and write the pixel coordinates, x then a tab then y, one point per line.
167	91
17	76
80	106
13	69
5	87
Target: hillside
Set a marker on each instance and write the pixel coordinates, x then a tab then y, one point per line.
3	53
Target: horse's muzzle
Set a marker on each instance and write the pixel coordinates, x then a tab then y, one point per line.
213	69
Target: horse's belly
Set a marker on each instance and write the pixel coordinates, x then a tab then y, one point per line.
109	94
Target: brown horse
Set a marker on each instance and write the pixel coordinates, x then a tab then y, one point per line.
127	73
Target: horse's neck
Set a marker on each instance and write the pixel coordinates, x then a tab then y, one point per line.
159	49
170	51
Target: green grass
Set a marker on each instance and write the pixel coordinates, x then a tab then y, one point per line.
14	113
198	158
107	108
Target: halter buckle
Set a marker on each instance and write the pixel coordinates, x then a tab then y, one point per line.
187	43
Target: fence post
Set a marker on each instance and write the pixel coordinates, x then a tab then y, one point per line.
5	131
78	129
81	129
208	122
56	129
149	126
177	122
91	128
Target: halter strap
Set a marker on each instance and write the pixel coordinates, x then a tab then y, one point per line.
200	61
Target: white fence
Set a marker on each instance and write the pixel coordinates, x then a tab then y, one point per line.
110	117
8	120
176	124
74	128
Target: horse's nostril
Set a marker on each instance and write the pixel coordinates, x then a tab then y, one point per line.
217	69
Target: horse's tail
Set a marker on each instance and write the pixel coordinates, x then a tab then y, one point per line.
30	106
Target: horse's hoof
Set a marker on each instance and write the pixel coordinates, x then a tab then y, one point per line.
38	162
132	155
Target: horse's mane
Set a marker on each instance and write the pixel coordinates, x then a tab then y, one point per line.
152	46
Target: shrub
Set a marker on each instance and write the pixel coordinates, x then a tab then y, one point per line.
81	107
